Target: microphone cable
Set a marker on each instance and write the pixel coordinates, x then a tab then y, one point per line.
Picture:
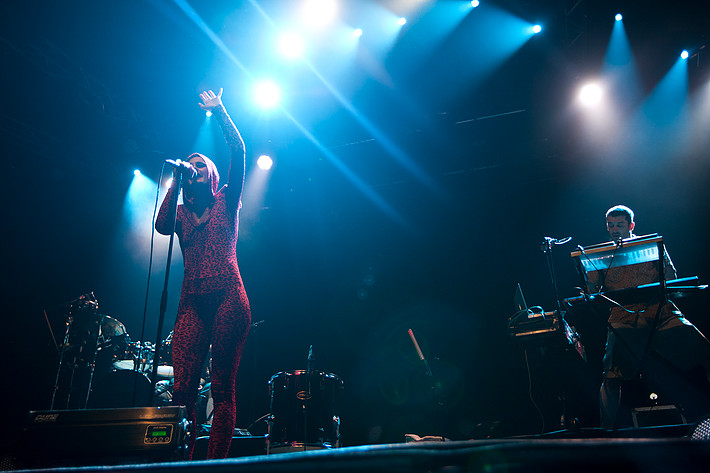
150	271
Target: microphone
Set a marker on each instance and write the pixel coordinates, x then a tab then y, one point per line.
185	167
558	241
549	241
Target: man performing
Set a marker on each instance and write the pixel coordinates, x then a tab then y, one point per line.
651	339
214	309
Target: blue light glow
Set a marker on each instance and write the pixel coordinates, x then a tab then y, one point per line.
137	172
319	12
291	45
684	54
402	21
475	3
357	33
536	29
267	94
264	162
619	17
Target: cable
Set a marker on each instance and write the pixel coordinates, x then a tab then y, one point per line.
530	394
147	286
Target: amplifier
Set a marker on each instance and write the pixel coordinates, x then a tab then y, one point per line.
103	436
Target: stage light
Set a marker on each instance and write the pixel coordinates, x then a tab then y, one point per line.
684	54
475	3
536	29
168	182
264	162
319	12
267	94
208	114
137	172
291	45
357	33
590	95
618	17
402	21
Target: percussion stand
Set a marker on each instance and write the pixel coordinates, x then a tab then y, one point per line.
79	308
255	360
177	178
61	363
307	397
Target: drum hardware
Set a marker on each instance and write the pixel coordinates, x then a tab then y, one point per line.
99	365
78	353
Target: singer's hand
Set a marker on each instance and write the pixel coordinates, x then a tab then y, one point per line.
211	101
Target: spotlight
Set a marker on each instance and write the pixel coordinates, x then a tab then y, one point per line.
208	113
619	17
320	12
590	95
168	182
264	162
267	94
402	21
684	54
137	172
291	45
475	3
536	29
357	33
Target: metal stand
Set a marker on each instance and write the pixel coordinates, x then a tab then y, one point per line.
177	178
78	349
546	248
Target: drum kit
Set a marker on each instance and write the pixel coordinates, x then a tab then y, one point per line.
123	369
101	367
303	403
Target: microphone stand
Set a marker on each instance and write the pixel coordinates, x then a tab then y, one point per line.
547	249
177	177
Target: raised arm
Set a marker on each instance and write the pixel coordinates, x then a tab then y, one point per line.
212	102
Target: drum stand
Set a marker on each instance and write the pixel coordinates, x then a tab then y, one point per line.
82	334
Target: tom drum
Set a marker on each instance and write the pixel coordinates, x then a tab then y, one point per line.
304	410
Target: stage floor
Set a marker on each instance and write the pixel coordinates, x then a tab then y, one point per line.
666	448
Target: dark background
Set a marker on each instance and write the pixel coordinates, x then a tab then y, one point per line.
472	156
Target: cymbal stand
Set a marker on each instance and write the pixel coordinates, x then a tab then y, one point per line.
82	330
61	363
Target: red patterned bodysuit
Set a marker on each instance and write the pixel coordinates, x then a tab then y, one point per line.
214	309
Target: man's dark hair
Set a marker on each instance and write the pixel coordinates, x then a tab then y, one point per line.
621	211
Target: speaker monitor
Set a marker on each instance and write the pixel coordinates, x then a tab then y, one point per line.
103	436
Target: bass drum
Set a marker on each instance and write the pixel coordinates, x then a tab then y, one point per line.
304	411
123	388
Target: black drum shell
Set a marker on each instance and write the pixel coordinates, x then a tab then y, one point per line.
305	409
122	388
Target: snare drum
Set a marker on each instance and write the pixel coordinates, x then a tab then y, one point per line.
304	410
137	356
